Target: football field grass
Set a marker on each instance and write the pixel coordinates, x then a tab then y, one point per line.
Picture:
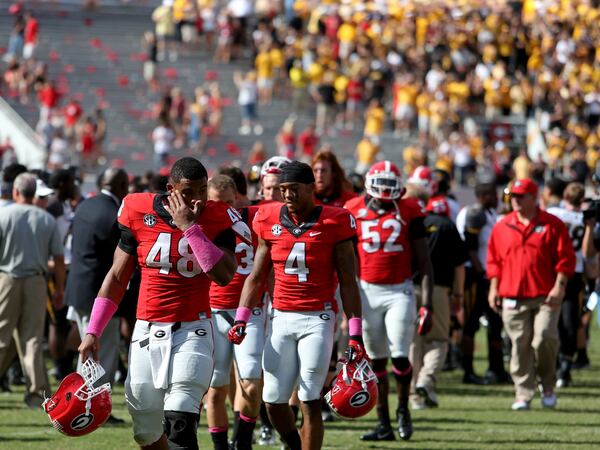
469	417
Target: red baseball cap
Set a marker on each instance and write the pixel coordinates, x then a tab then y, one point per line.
438	205
524	186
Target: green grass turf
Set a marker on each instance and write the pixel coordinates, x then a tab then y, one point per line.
469	417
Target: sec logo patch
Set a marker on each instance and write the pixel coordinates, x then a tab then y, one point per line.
276	230
149	220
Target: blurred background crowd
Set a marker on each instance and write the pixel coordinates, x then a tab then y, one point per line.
484	92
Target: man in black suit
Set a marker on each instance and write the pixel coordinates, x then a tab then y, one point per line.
95	237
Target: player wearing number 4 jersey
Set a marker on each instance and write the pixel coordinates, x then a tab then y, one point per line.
391	242
182	242
224	301
307	246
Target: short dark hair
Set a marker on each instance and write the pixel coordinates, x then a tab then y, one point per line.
484	188
236	174
12	171
61	177
556	186
188	168
158	183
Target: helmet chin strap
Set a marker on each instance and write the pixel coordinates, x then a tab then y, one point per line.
376	204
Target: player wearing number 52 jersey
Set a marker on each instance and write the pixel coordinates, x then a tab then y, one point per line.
307	246
182	242
391	242
570	310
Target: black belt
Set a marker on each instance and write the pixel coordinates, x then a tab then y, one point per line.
176	326
225	315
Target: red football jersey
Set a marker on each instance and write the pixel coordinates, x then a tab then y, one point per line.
173	287
302	255
384	248
228	297
337	202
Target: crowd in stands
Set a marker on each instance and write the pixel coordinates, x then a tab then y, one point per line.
441	75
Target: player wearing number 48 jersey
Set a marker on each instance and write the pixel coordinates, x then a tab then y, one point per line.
307	246
182	242
391	242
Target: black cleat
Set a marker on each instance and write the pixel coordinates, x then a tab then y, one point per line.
405	427
471	378
381	433
492	377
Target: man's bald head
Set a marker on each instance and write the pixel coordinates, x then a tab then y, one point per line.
116	181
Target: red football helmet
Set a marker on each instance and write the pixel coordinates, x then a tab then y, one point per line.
354	391
384	181
273	165
77	408
423	176
438	205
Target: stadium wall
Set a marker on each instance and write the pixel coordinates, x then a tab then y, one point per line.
23	139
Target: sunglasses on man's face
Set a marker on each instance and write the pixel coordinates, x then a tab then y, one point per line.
517	196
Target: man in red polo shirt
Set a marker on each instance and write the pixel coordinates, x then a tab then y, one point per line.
530	258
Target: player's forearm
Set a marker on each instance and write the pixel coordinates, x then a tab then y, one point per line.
224	270
117	279
114	286
350	299
251	292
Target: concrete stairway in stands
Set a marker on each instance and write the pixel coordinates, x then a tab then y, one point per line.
95	57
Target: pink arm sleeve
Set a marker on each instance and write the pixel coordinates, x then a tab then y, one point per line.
355	326
243	314
102	312
207	254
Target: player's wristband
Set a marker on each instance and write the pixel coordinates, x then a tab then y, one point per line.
102	311
243	314
355	326
207	254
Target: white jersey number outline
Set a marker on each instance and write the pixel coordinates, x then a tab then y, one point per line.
372	238
246	253
295	263
159	257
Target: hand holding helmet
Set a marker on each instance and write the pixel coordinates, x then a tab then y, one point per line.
77	407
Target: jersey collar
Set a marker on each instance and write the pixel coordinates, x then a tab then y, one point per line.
159	207
299	230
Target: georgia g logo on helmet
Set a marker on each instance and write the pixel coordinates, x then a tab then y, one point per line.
82	421
359	399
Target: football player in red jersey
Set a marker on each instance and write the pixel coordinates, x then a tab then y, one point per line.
331	186
391	242
182	242
269	179
307	245
224	301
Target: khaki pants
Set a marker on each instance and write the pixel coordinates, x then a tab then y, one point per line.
428	353
533	330
23	308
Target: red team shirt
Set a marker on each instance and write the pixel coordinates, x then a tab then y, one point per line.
302	255
228	297
173	287
384	242
337	202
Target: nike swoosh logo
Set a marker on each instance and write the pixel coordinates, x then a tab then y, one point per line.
314	233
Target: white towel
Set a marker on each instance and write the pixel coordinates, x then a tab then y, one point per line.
160	353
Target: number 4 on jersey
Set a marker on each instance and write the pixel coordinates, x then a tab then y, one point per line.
295	264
